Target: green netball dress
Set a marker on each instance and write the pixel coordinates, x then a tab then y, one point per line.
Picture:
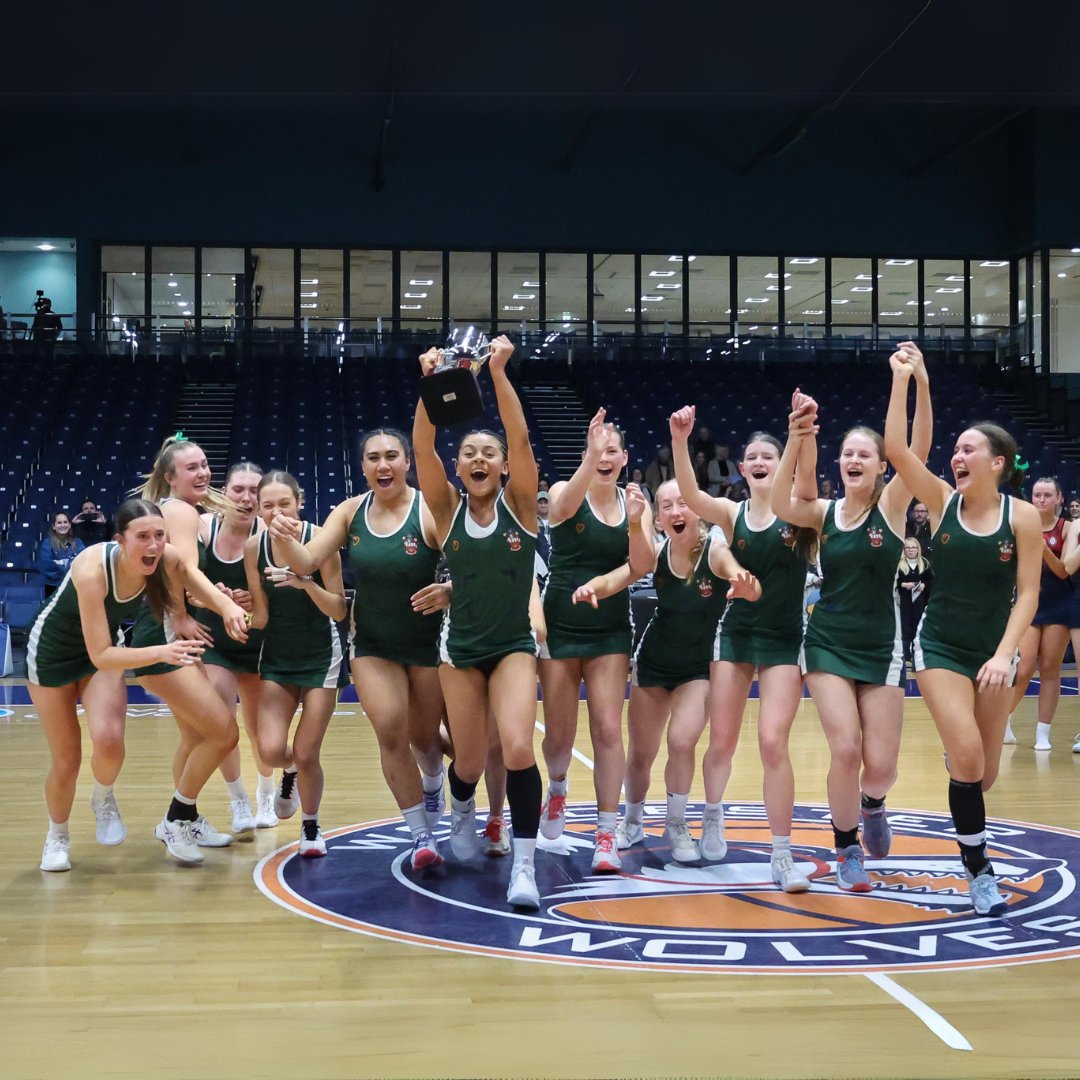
150	630
676	646
226	652
387	569
582	547
854	629
301	646
770	630
974	579
492	570
56	650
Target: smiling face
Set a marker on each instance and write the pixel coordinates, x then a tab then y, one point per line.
612	461
1074	508
243	489
385	465
861	463
481	464
276	499
674	516
142	542
1046	498
189	477
973	462
61	524
911	550
758	465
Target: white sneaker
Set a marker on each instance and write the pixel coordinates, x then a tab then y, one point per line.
498	837
1009	738
605	859
312	847
522	891
205	835
178	841
110	829
265	818
684	849
287	800
1043	744
54	855
243	818
463	840
425	852
787	876
552	816
628	833
435	801
1076	745
713	844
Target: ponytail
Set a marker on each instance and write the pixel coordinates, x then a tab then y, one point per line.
156	487
1002	444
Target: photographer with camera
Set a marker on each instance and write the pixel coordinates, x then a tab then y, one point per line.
47	325
90	525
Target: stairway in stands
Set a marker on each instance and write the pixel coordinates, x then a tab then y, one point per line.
1036	421
204	413
562	421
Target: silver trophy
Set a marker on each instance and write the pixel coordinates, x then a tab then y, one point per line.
451	393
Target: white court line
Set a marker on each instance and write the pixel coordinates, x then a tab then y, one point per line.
933	1020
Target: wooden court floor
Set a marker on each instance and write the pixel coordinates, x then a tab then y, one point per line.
129	966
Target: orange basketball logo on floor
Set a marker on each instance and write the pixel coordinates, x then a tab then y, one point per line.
711	917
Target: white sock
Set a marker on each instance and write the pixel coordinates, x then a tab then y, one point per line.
462	807
606	820
1042	734
266	785
635	811
781	845
58	828
309	817
714	811
524	850
676	807
183	799
557	787
101	790
432	783
236	788
416	819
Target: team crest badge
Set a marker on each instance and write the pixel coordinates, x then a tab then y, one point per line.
787	534
741	543
875	536
724	917
410	544
354	540
513	539
579	528
1005	550
945	537
455	545
705	588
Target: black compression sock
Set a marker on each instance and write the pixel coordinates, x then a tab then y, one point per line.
524	791
459	789
843	838
181	811
870	803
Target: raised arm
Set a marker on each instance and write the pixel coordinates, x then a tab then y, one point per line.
897	495
567	497
522	482
794	491
643	549
719	511
439	494
913	473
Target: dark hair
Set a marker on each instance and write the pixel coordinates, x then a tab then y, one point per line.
617	431
157	584
54	537
806	539
482	431
765	437
280	476
1002	444
390	433
242	466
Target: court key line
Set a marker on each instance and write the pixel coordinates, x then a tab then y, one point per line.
932	1019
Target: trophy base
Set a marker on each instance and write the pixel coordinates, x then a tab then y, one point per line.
451	396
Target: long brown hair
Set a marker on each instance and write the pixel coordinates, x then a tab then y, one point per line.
1002	444
55	538
157	584
879	444
157	487
806	539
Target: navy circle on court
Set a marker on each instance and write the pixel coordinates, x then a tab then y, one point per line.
710	917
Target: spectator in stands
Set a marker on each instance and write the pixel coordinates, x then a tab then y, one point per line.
704	443
660	469
543	537
90	525
738	492
826	489
918	526
1074	508
913	582
542	484
47	325
638	477
721	473
701	469
57	552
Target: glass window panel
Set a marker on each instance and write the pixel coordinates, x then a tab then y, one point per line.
760	285
943	291
518	289
709	282
272	287
989	296
172	287
1036	310
470	289
566	283
222	286
898	297
371	293
421	290
614	300
1065	309
661	294
322	294
851	311
804	310
123	271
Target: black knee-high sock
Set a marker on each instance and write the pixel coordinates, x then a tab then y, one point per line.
870	803
524	790
459	789
969	819
843	838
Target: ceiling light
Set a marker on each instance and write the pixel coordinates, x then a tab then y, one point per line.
755	328
756	300
776	288
814	311
186	313
669	285
311	281
523	296
46	247
899	262
955	277
310	294
862	288
630	310
770	276
1062	274
950	290
661	273
420	296
681	258
173	284
890	313
1003	262
530	284
835	302
178	294
1075	251
652	299
309	305
513	307
802	262
411	307
421	281
943	310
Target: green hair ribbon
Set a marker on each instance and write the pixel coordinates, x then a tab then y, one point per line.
181	437
1020	465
